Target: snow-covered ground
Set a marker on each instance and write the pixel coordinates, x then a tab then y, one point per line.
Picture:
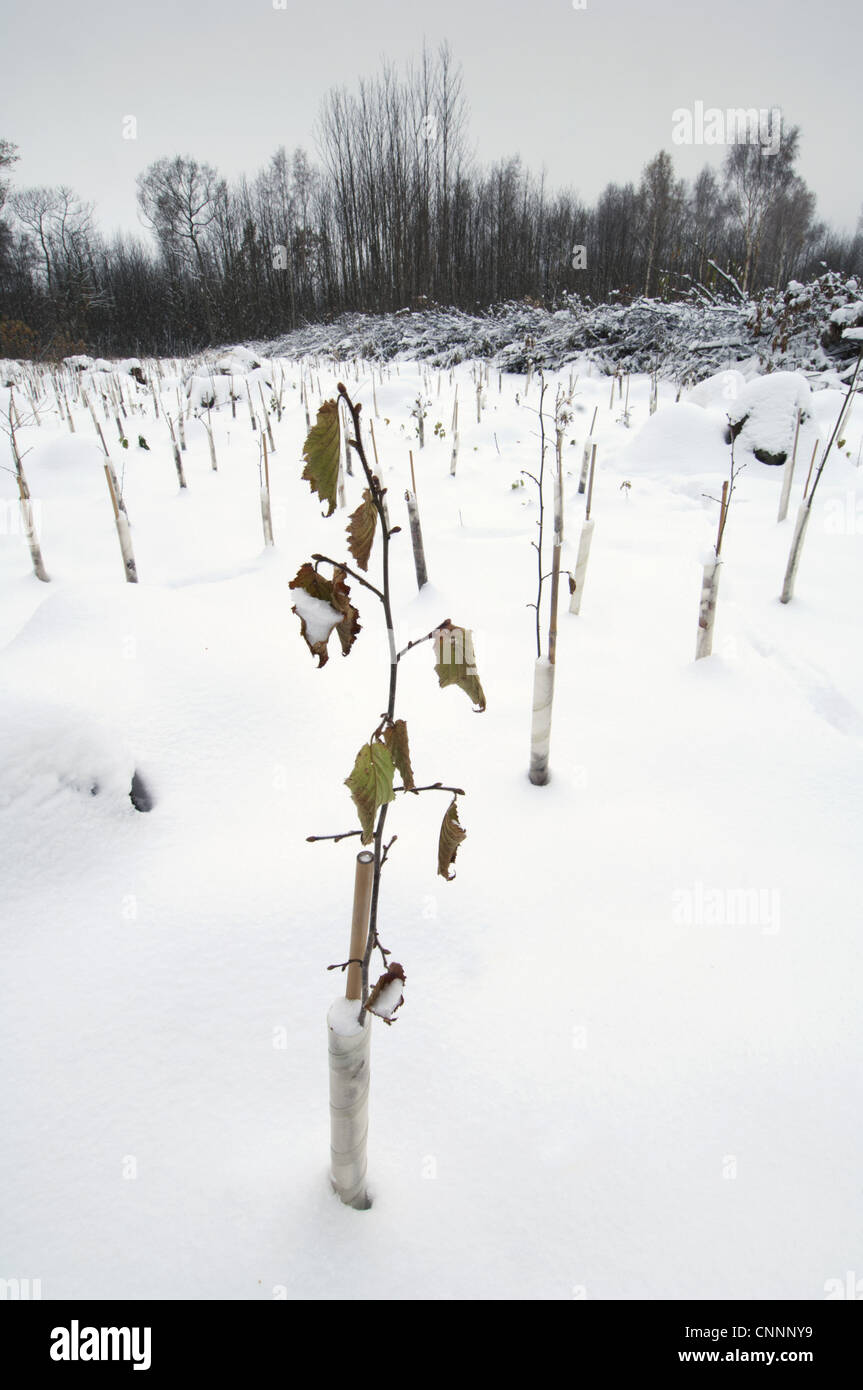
628	1065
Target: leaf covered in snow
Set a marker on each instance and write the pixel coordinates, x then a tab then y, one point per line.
323	605
361	530
396	740
386	997
321	452
455	662
371	784
451	836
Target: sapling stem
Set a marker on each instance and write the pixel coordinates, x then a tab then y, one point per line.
806	505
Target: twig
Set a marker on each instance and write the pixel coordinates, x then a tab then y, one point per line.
432	787
340	565
445	626
345	835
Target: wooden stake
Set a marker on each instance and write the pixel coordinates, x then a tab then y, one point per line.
267	418
417	540
363	882
788	474
723	517
454	457
590	483
811	466
555	590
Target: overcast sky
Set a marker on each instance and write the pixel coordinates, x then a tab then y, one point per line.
588	93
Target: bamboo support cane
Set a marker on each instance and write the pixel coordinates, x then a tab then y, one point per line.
267	424
363	883
454	456
416	532
584	543
374	442
788	474
589	444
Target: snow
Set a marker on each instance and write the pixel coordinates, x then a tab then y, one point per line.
389	999
679	440
205	390
343	1017
320	617
720	391
848	314
767	409
674	1112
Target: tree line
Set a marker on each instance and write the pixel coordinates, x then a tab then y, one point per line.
394	212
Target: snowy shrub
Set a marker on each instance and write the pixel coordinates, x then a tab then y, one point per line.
764	415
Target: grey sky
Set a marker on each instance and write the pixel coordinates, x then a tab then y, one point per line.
588	93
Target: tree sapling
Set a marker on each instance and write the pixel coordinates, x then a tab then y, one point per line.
323	605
